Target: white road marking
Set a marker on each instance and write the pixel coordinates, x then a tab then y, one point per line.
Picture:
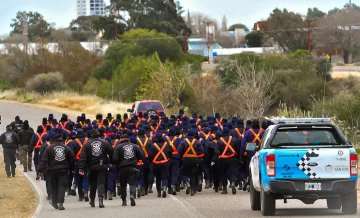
38	190
186	208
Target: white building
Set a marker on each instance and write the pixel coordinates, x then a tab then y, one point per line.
90	7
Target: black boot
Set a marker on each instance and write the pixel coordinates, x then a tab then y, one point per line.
173	188
207	185
169	190
240	185
146	190
224	191
178	188
105	195
233	188
123	201
199	187
216	189
118	189
150	189
193	191
101	202
188	188
182	185
132	200
92	202
139	191
61	206
110	196
86	196
81	195
54	205
159	193
142	191
164	192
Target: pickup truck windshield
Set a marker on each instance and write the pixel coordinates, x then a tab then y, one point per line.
305	137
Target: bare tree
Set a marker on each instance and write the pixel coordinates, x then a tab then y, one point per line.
198	24
224	24
252	91
339	31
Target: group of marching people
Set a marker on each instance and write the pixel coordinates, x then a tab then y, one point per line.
178	152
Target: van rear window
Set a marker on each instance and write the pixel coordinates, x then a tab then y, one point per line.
145	106
305	136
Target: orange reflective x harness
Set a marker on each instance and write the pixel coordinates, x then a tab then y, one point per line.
227	147
171	142
39	141
240	133
206	135
160	152
143	146
68	141
77	157
63	125
191	148
257	138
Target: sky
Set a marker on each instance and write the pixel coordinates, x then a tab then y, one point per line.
248	12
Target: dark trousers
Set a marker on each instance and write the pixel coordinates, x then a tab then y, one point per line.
10	159
127	175
97	182
58	180
228	170
112	174
36	159
215	174
161	172
175	171
147	175
191	169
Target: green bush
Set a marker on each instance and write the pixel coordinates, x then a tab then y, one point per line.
5	85
46	82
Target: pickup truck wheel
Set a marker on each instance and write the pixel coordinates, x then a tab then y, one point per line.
254	197
349	203
333	203
268	203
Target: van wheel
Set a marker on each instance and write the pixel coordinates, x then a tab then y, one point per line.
254	197
333	203
349	203
268	203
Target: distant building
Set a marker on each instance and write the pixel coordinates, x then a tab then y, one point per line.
91	7
199	46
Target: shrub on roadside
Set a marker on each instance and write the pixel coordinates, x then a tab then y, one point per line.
340	63
5	85
46	82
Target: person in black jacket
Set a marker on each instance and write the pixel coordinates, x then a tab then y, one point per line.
58	159
126	156
24	148
9	140
94	156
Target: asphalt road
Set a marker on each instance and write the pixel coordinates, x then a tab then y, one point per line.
205	204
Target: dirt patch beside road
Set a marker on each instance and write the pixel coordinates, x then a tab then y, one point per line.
17	199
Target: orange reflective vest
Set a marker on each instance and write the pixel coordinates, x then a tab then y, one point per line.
219	121
143	145
191	149
44	127
81	124
154	129
77	157
240	133
256	135
160	152
171	142
227	147
39	141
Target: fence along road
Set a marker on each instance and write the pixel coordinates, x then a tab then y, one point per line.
205	204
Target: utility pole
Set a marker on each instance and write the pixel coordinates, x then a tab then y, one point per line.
309	29
208	39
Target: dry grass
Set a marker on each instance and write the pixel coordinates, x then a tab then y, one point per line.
17	199
72	101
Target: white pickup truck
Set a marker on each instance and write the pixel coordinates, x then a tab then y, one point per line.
305	159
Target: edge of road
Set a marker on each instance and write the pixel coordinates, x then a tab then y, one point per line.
39	194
